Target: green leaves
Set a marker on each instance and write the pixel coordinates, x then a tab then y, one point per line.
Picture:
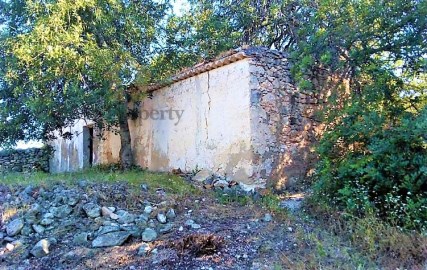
67	60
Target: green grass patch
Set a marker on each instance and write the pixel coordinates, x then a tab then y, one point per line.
231	197
135	178
270	201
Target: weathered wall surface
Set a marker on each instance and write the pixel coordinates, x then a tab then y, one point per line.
214	131
24	160
73	154
283	122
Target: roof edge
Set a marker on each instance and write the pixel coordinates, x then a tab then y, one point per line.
223	59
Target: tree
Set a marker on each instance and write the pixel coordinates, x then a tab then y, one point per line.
374	150
66	60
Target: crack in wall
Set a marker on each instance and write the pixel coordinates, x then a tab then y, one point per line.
209	107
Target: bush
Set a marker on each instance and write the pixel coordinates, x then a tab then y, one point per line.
371	163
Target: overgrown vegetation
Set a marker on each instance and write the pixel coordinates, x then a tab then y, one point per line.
373	166
268	201
380	242
373	154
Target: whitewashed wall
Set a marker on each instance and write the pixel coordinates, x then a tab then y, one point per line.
68	154
214	131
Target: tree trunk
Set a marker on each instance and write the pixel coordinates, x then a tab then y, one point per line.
126	156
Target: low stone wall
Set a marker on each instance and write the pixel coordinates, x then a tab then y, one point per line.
25	160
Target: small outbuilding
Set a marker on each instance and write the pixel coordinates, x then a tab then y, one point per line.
239	115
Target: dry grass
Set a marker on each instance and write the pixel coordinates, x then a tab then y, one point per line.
7	214
198	244
388	246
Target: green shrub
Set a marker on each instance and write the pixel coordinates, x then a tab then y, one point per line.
371	163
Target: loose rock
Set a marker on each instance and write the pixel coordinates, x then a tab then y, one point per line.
41	248
61	211
144	249
192	224
161	218
9	246
125	217
202	175
148	209
110	239
81	238
149	235
267	218
92	210
170	214
106	212
38	228
14	227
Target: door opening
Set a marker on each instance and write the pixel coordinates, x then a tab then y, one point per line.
88	134
90	146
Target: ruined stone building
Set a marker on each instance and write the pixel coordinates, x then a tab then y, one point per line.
239	115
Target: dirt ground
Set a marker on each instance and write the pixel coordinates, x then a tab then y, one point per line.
234	233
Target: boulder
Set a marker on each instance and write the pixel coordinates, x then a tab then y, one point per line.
41	248
14	227
110	239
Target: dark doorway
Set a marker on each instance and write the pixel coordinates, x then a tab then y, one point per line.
88	146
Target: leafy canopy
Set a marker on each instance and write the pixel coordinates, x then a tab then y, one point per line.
65	60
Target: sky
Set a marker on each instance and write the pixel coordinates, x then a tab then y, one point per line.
179	5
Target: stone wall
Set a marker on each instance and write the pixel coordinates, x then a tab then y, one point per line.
284	125
25	160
